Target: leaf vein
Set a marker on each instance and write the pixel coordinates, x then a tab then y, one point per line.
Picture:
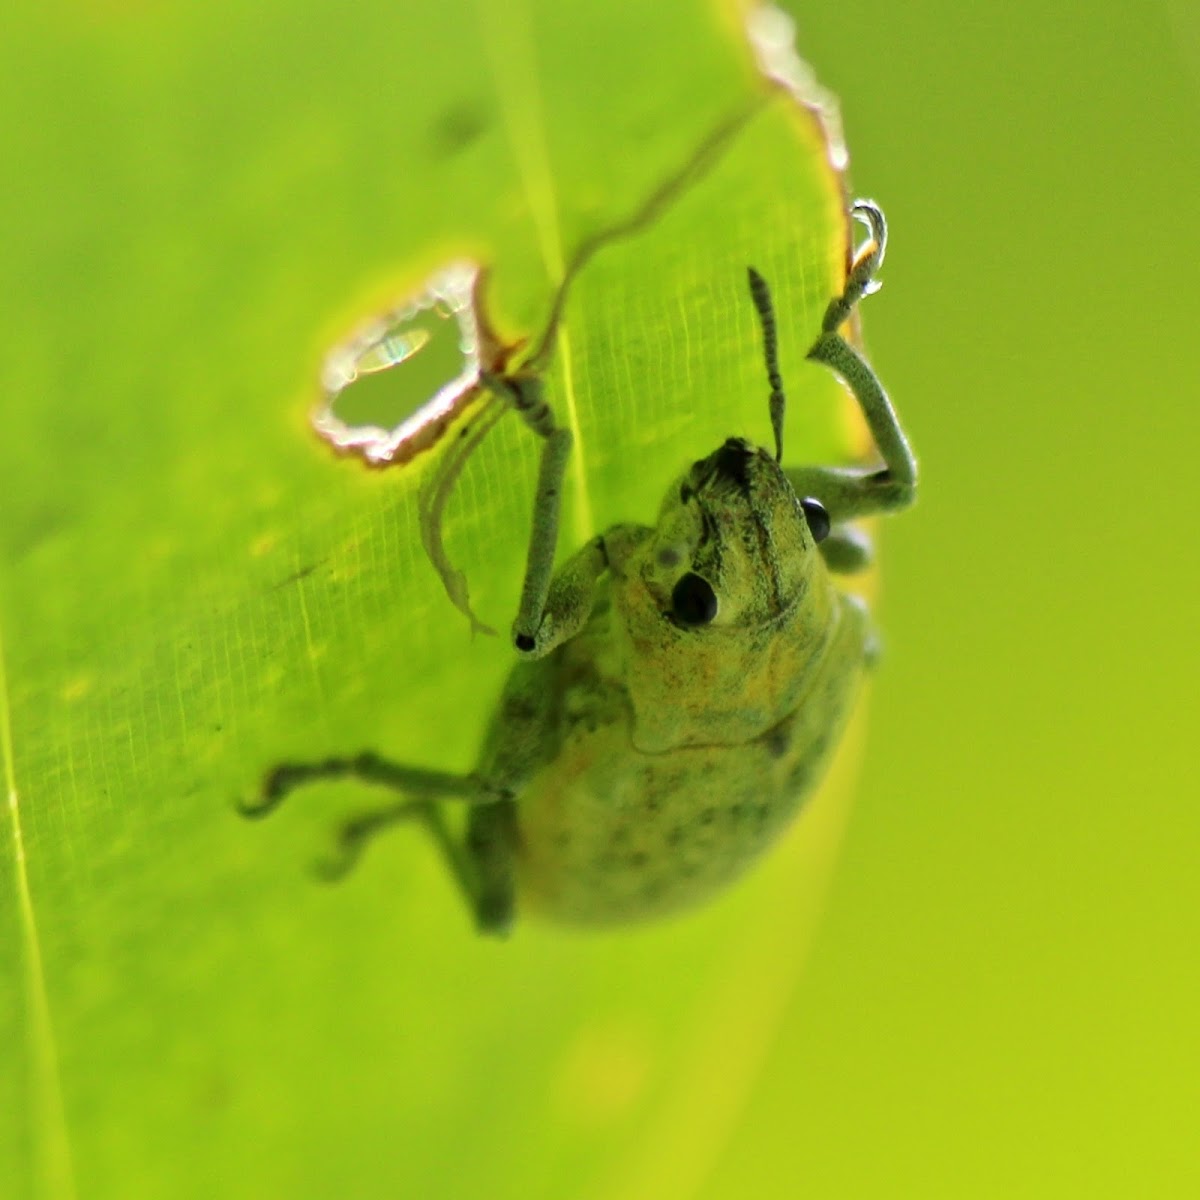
52	1150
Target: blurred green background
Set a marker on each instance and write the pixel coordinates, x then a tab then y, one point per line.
1004	992
996	994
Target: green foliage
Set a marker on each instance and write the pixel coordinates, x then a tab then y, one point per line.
193	587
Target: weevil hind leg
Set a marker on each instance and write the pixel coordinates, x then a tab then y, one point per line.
491	854
481	863
353	834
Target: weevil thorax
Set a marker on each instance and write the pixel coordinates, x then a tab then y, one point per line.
723	615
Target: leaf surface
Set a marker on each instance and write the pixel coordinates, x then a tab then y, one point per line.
193	586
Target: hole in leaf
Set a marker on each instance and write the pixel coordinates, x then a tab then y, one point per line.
392	388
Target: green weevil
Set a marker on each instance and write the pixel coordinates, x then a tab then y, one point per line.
680	687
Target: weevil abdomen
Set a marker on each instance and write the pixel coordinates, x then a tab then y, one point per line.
609	834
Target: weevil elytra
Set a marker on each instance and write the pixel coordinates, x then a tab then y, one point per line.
679	687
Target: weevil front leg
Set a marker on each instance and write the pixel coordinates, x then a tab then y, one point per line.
852	492
552	608
571	595
526	394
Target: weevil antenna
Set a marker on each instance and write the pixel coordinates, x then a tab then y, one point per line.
761	295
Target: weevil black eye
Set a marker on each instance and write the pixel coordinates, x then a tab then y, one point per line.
693	601
817	517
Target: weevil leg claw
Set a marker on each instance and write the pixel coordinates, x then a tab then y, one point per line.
868	258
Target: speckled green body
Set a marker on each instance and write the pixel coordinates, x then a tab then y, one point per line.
609	832
651	763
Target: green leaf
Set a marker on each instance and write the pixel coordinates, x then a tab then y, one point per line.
201	202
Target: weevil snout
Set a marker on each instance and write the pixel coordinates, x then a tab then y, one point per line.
734	522
739	466
732	463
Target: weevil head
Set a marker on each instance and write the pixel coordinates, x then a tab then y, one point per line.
734	546
727	600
